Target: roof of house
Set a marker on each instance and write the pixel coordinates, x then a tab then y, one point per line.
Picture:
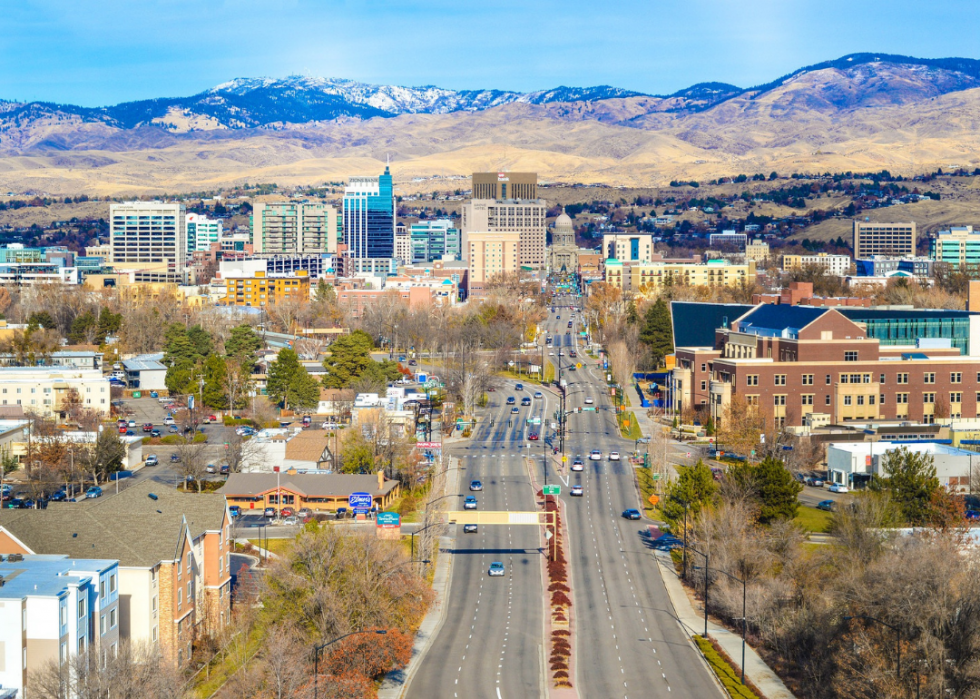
307	445
107	527
308	484
143	365
695	323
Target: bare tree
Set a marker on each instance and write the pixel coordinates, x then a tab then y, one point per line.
193	461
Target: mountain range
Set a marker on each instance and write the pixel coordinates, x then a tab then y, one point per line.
859	112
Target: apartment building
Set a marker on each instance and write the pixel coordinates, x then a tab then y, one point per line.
505	185
491	255
259	289
52	608
434	240
836	265
650	277
757	251
959	246
791	361
522	216
44	389
202	232
294	227
628	248
148	234
872	238
174	585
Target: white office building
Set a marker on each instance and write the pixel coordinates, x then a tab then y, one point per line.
202	232
148	235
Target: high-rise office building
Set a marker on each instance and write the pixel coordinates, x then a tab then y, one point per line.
526	217
148	234
505	185
628	248
871	238
434	240
369	217
201	232
959	246
294	227
491	255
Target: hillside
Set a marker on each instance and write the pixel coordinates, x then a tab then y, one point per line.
855	113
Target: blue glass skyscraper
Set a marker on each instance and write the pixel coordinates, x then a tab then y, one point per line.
369	217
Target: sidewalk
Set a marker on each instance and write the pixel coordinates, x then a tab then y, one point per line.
692	621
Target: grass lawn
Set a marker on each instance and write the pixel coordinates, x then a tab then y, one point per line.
631	429
812	519
522	378
726	673
648	487
276	546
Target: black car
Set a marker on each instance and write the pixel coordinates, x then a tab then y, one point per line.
631	513
174	457
525	401
15	503
511	400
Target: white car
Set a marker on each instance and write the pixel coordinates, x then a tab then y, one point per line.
576	491
589	401
578	465
614	456
595	455
838	488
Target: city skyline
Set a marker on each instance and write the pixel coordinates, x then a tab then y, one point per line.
67	53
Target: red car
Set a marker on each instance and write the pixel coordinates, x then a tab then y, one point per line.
122	429
148	427
533	436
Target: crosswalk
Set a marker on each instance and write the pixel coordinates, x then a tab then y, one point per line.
495	456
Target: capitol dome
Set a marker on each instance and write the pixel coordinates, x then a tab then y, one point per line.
563	220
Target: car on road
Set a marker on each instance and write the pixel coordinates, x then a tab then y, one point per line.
838	488
234	511
589	401
551	354
518	387
511	400
476	485
155	433
147	426
533	436
577	465
469	503
496	569
412	362
151	460
814	481
595	455
573	354
123	429
469	529
576	491
131	423
169	420
826	505
538	394
571	367
631	513
175	458
614	456
224	469
525	401
94	492
210	468
514	410
269	512
130	433
173	429
290	521
557	317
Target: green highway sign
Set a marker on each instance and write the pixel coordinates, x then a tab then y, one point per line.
552	490
590	409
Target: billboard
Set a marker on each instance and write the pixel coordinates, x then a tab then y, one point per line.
360	502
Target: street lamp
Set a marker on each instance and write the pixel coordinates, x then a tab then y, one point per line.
742	581
898	640
706	569
317	649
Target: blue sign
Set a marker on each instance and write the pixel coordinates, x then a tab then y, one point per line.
360	502
389	519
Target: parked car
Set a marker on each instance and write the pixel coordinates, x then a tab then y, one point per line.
469	503
151	460
814	481
287	512
305	514
341	513
131	423
234	511
838	488
972	514
290	521
224	469
94	492
269	512
169	421
826	505
175	458
58	496
210	468
173	429
123	429
577	491
631	513
155	433
496	569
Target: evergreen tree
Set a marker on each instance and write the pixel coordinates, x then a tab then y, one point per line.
243	344
108	324
281	373
695	486
325	293
657	332
777	490
303	392
41	319
215	382
911	478
80	328
201	339
350	357
632	316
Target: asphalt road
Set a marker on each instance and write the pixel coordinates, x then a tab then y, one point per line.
491	644
628	642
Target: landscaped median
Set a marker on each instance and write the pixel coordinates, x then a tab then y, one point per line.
727	673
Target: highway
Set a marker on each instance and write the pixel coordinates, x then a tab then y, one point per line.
627	641
490	644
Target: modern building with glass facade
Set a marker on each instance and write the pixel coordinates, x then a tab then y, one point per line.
434	240
201	232
145	233
906	327
369	217
959	246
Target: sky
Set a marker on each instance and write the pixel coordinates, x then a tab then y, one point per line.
98	53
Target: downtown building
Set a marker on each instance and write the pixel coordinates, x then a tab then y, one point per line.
291	227
527	218
872	238
202	232
799	363
149	236
369	224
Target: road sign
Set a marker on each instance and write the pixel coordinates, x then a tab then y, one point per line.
578	365
589	409
389	519
360	502
689	455
552	490
564	459
654	499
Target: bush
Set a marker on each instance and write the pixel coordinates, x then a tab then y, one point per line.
561	675
558	587
558	665
561	632
560	599
200	437
171	439
230	421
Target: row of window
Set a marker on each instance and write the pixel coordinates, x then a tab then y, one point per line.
928	377
955	397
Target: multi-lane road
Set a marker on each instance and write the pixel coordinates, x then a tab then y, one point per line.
626	637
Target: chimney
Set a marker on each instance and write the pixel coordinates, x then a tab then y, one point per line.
973	296
381	481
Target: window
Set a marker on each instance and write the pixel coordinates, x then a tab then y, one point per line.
102	625
871	399
807	399
847	400
102	589
956	397
752	380
902	398
826	399
81	645
112	618
704	367
865	378
902	378
881	378
956	377
752	400
845	378
881	399
828	380
81	608
704	385
112	583
807	379
180	598
153	635
64	615
779	400
850	356
929	377
928	398
779	379
860	400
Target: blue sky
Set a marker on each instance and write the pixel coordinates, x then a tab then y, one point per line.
96	53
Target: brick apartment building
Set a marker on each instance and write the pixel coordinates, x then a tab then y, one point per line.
792	361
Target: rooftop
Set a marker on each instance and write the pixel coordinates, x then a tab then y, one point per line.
309	485
695	323
46	576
